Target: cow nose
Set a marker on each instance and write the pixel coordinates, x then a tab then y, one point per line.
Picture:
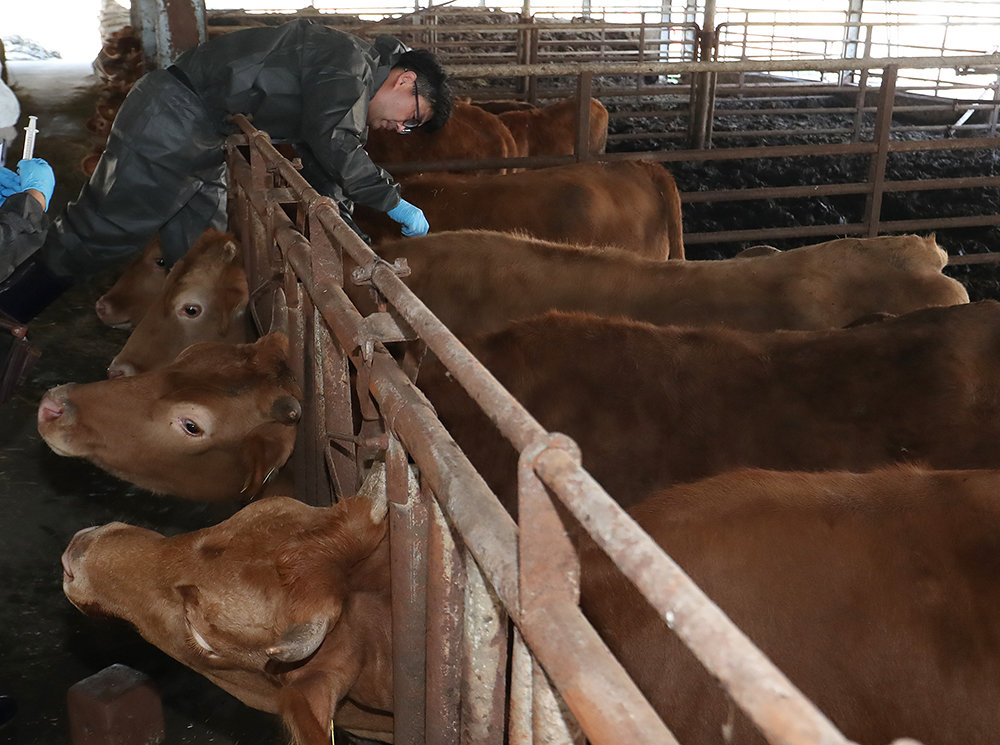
101	308
120	369
75	549
55	404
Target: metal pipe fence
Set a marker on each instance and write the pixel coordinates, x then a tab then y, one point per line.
489	641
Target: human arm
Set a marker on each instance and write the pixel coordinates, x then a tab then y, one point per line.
37	176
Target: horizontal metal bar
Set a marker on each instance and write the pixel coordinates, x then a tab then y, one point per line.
675	68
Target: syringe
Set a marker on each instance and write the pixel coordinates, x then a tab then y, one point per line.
29	138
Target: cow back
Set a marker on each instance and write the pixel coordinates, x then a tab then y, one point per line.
653	406
477	282
630	205
869	591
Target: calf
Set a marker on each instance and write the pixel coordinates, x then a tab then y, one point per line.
871	592
874	593
633	205
126	301
204	298
216	424
478	282
651	406
470	133
551	130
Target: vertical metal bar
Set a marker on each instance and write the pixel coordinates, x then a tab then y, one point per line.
584	87
534	39
484	661
408	525
702	80
862	97
995	111
521	732
339	454
552	722
876	171
549	569
444	631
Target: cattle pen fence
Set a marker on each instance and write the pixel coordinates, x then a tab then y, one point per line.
863	127
489	642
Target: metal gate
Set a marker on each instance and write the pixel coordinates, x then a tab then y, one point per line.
489	643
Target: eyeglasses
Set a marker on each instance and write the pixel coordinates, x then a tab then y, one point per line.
411	124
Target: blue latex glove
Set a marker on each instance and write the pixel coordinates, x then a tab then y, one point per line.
37	174
411	218
10	182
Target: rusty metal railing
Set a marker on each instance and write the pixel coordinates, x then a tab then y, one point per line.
458	559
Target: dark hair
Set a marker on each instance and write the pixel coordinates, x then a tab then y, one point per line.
432	84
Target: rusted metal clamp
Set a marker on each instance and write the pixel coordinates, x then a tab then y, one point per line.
362	275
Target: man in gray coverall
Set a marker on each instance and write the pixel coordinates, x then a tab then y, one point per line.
163	167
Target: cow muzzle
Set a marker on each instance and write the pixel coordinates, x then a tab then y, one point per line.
55	405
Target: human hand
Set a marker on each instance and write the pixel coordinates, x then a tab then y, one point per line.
410	217
10	182
37	174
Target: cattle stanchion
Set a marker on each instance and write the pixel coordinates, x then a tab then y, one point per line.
459	559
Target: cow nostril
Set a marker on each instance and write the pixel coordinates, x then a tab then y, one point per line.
101	308
49	410
120	370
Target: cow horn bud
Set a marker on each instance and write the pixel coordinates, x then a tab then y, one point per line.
286	409
299	641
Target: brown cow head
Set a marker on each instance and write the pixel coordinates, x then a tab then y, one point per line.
213	425
204	298
126	302
283	605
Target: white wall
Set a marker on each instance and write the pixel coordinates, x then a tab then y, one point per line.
69	27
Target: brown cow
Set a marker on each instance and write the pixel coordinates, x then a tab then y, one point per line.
871	592
126	301
551	130
204	298
655	405
633	205
874	593
216	424
500	105
470	133
284	606
478	282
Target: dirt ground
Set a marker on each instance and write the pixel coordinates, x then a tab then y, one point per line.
46	645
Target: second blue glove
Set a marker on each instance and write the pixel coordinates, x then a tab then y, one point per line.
410	217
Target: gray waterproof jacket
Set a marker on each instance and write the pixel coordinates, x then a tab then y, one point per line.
23	224
302	83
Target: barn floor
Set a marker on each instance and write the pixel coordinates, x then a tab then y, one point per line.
46	645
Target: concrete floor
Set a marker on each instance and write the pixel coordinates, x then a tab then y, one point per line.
46	645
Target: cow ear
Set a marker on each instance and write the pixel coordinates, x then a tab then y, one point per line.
299	640
231	251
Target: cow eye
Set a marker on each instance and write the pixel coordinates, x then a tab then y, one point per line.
192	311
161	262
191	427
